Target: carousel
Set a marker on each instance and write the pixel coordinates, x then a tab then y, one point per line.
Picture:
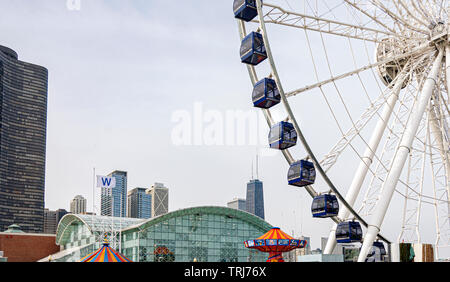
275	242
105	254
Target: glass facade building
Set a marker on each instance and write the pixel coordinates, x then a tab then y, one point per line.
114	200
255	198
203	234
23	130
139	203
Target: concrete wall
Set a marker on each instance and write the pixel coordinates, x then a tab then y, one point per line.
321	258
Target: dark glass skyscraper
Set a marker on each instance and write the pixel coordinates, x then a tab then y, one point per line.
255	198
139	203
23	129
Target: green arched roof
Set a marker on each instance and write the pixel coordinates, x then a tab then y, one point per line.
96	223
242	215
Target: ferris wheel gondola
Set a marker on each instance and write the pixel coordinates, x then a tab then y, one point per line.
253	50
282	136
349	232
265	94
302	173
245	9
324	206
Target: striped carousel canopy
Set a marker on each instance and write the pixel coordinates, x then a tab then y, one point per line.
275	242
105	254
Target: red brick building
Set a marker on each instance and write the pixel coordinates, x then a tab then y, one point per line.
18	246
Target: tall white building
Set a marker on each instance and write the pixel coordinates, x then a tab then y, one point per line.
160	199
78	205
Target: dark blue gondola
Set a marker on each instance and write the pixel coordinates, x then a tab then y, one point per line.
265	94
245	9
349	232
380	245
302	173
253	50
282	136
324	206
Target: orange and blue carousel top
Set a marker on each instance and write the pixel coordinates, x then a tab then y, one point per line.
275	242
105	254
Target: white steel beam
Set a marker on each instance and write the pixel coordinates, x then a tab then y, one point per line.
280	16
400	157
366	160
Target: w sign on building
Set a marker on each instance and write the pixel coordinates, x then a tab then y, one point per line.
106	181
114	193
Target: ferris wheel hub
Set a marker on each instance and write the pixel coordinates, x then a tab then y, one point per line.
439	33
390	48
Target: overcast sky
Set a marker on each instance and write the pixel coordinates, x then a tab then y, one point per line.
122	73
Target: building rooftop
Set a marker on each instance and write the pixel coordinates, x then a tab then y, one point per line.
14	228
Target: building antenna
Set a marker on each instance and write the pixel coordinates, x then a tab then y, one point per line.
257	169
252	171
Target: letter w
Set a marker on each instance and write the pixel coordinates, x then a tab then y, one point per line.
106	181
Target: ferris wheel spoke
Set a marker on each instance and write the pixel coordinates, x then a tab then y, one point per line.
358	6
440	174
418	50
280	16
420	11
331	158
418	5
396	18
411	14
415	179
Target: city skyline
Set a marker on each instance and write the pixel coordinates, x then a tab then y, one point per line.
87	109
112	104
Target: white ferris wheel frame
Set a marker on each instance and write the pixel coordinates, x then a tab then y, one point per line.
280	16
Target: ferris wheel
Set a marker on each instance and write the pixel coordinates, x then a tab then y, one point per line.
393	146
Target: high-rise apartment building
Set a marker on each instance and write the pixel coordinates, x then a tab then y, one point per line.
139	203
239	204
51	220
114	200
23	130
78	205
160	199
255	198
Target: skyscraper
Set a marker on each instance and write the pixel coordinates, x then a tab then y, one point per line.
114	200
23	130
78	205
51	220
255	198
160	199
139	203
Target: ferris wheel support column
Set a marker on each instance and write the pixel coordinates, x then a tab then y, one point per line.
367	159
401	155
